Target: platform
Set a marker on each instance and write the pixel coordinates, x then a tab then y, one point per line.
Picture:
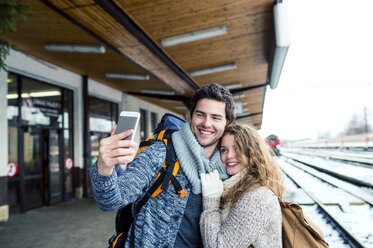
76	223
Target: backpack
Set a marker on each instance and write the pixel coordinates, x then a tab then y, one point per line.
298	230
124	218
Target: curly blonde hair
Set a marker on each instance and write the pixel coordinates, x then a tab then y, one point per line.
261	169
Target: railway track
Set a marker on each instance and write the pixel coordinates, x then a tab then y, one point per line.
336	203
354	172
360	158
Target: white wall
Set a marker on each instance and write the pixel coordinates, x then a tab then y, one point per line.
3	124
104	92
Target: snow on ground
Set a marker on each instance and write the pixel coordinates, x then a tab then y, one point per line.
357	219
361	173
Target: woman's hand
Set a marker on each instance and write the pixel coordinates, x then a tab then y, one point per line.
212	185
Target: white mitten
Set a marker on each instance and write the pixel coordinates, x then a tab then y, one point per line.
212	185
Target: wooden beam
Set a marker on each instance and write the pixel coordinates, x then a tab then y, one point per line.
244	89
184	99
121	17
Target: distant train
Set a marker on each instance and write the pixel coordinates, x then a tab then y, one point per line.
358	141
274	142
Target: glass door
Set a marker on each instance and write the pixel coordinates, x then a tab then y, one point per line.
53	174
32	184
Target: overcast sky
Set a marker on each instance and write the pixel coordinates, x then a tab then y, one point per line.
328	73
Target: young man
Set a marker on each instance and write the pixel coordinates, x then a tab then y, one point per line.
166	220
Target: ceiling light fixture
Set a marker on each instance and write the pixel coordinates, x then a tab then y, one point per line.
44	93
239	108
127	76
282	39
235	96
232	86
242	103
219	68
194	36
75	48
170	100
35	94
158	92
12	96
180	107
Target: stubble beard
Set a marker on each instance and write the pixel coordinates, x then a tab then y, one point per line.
212	143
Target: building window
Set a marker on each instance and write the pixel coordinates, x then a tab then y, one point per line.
153	121
102	117
12	109
143	125
40	140
40	103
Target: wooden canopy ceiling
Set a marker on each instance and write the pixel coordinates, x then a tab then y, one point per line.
132	30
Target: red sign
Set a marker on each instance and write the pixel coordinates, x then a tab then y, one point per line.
12	169
69	163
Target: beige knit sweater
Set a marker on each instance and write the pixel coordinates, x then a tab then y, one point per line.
255	219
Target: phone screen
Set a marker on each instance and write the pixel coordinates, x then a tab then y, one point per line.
125	123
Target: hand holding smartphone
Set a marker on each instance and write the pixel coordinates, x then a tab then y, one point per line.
128	120
113	152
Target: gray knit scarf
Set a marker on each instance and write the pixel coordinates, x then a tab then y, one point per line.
192	158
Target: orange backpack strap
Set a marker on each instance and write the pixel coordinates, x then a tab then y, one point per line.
167	174
160	183
150	141
170	167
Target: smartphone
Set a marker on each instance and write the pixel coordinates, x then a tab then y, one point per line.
128	120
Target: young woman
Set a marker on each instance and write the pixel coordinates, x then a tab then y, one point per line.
249	212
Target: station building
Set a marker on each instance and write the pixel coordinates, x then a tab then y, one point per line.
51	121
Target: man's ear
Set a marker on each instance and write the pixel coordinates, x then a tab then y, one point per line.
188	117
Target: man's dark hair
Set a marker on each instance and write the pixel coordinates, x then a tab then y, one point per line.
218	93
